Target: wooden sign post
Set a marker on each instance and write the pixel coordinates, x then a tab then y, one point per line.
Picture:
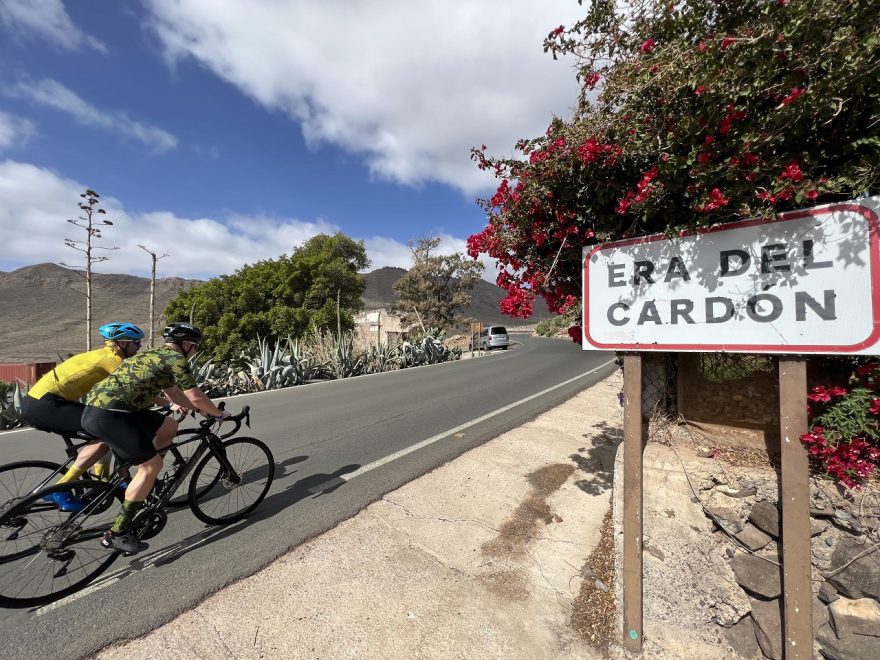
633	432
796	559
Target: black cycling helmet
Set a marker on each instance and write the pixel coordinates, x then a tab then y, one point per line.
178	332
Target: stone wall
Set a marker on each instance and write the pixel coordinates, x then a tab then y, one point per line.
712	581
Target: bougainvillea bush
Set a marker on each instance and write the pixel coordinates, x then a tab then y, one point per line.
845	436
691	113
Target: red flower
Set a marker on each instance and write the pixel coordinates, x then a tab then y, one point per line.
575	333
727	42
792	172
647	46
811	194
699	90
704	157
819	393
793	96
702	46
591	80
558	31
875	408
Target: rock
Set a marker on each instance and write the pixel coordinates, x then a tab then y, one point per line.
767	615
752	537
756	575
741	637
737	492
855	617
765	516
655	552
861	579
728	517
817	527
853	647
827	593
829	541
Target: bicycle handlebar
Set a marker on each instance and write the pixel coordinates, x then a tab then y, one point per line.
244	416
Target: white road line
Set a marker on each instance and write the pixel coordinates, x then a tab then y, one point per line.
111	579
440	436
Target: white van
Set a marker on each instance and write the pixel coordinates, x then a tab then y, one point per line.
490	337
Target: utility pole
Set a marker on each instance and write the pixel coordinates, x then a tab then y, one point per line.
93	229
152	289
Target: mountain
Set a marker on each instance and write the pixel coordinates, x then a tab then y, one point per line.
484	298
44	307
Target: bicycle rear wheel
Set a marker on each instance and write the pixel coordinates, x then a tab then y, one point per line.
219	496
48	553
23	478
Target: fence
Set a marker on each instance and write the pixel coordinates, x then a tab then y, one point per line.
28	373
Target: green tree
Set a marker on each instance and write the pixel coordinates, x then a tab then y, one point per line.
691	113
276	297
437	286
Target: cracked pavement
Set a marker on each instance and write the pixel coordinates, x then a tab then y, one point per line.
479	558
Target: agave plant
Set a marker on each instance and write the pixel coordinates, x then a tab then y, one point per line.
10	407
380	358
429	349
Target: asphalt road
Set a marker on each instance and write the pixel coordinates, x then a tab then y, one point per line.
338	446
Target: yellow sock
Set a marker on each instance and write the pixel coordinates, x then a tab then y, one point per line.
98	470
73	474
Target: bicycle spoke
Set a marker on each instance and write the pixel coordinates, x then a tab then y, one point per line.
55	552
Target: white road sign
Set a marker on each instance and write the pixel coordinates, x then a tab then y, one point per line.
804	283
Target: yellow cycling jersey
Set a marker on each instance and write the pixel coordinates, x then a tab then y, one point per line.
75	376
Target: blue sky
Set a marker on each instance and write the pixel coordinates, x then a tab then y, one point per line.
222	132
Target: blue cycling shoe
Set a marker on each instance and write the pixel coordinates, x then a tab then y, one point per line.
66	502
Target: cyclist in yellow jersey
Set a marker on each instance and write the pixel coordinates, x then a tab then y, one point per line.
53	405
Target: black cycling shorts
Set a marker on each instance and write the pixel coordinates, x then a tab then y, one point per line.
129	434
53	414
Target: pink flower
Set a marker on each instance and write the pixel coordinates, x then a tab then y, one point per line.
647	46
702	46
699	90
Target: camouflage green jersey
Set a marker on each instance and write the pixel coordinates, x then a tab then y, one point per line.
138	380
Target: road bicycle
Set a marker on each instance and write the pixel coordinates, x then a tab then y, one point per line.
23	478
46	554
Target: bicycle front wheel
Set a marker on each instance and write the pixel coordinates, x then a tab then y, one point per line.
231	481
23	478
49	553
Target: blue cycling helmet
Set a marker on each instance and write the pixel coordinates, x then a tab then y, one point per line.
114	331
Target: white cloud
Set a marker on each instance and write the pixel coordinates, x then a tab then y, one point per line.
14	130
33	227
53	94
411	86
46	19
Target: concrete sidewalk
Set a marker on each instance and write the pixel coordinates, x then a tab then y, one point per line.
480	558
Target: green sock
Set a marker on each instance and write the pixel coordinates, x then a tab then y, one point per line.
126	514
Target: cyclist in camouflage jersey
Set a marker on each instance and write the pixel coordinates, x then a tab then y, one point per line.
118	411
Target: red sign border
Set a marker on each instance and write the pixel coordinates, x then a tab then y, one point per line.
873	231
